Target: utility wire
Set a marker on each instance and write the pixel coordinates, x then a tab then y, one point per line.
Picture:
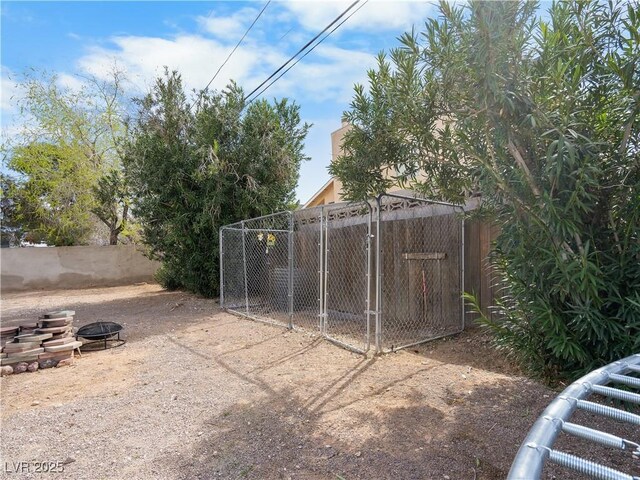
234	48
303	49
307	53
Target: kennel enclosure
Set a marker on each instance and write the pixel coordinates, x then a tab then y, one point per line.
383	274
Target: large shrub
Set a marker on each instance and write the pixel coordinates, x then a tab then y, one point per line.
539	115
194	168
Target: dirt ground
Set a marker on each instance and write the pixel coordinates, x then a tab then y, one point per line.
199	393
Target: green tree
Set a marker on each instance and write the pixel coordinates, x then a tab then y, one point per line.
194	168
65	156
52	201
11	230
112	202
540	115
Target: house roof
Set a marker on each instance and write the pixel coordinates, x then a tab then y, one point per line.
320	191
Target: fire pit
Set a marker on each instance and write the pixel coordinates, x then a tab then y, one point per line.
102	332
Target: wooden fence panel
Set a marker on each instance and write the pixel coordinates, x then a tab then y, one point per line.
479	276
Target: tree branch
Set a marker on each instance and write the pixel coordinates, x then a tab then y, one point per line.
515	153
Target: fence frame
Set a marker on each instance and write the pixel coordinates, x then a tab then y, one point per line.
326	251
380	256
242	227
373	314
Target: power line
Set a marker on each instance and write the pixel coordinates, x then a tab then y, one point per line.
238	44
234	48
303	48
306	53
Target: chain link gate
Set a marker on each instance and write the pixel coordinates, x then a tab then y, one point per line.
420	270
317	269
308	269
347	275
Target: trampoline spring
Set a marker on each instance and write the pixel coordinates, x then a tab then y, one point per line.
592	469
615	393
610	412
625	380
599	437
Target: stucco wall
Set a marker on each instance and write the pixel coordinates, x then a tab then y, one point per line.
73	267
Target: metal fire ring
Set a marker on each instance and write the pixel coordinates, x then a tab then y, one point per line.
102	332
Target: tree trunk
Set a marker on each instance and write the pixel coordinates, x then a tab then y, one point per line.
115	229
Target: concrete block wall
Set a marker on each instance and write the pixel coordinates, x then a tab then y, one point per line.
51	268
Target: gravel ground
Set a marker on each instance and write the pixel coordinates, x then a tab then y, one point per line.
198	393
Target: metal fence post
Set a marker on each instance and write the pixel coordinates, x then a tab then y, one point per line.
326	275
244	266
368	299
321	274
291	272
462	271
378	276
221	265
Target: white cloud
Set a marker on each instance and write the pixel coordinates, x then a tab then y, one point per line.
69	82
229	27
328	73
376	15
11	125
9	91
326	76
195	57
11	131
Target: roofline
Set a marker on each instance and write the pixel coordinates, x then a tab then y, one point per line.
322	189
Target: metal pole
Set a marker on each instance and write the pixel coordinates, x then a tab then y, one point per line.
221	266
439	269
244	263
325	313
291	275
368	300
462	272
378	277
320	273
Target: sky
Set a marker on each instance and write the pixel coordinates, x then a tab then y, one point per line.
77	39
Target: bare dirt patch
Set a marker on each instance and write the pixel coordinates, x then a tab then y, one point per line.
199	393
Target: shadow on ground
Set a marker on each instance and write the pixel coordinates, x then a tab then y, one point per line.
280	438
472	348
293	433
314	411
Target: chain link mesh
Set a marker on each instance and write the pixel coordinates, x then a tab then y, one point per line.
420	271
232	266
264	254
347	237
307	229
315	269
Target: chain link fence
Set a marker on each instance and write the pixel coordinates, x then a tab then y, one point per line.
308	269
256	268
347	273
420	270
387	271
